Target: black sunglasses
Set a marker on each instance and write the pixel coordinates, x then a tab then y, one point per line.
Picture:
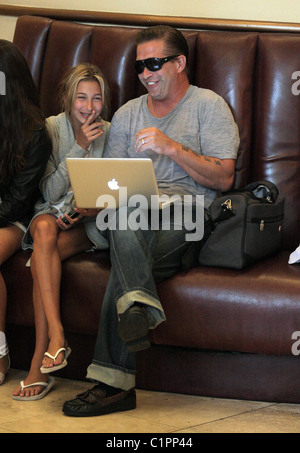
153	64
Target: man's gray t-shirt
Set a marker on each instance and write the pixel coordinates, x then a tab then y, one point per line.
202	121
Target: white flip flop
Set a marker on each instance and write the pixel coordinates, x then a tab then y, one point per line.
3	353
48	385
46	370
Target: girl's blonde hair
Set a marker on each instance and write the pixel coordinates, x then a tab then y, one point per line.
77	74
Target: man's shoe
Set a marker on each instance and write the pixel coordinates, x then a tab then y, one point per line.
133	328
97	401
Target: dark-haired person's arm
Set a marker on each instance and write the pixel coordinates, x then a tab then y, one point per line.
18	200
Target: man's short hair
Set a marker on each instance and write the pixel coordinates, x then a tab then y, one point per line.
175	42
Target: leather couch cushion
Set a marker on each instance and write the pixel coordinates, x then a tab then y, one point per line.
255	310
34	48
276	144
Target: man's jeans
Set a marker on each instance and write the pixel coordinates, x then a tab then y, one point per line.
139	259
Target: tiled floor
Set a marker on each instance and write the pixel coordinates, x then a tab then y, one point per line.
156	413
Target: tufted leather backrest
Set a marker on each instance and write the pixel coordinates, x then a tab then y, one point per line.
31	37
113	51
68	45
252	71
276	140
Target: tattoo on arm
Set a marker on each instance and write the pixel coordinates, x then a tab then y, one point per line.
196	154
200	156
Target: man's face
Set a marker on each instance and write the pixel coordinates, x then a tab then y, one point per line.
161	84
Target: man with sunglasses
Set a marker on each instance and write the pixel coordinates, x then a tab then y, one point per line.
191	136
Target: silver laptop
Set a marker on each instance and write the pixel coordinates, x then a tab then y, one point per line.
121	178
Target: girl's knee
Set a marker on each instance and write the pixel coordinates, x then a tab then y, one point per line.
44	232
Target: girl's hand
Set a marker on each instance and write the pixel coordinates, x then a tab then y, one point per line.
68	223
88	212
89	131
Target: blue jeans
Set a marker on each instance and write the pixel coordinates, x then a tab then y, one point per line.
139	259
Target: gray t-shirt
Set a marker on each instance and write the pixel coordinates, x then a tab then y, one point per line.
202	121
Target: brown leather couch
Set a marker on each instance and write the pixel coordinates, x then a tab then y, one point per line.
228	333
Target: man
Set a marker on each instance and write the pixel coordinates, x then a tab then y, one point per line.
191	136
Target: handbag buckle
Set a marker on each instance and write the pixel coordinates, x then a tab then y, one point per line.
227	204
262	225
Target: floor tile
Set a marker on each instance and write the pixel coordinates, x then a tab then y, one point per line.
272	419
156	412
188	410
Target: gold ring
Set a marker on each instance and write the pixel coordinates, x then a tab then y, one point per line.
143	141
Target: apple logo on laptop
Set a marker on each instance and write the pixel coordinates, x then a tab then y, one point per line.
113	184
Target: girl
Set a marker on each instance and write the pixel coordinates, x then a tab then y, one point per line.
24	151
77	132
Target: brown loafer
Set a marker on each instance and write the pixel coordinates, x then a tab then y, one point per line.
97	402
133	328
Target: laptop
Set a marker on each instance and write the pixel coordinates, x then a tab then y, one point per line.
93	179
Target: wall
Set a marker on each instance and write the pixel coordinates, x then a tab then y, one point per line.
266	10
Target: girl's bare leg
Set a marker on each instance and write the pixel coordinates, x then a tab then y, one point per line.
47	272
69	243
10	242
41	342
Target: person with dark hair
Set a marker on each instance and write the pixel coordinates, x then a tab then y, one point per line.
192	139
24	151
56	232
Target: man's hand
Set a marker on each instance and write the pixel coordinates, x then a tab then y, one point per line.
208	171
152	138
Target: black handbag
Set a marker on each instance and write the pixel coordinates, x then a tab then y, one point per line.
246	226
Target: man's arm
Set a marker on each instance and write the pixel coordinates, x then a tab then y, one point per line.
210	172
